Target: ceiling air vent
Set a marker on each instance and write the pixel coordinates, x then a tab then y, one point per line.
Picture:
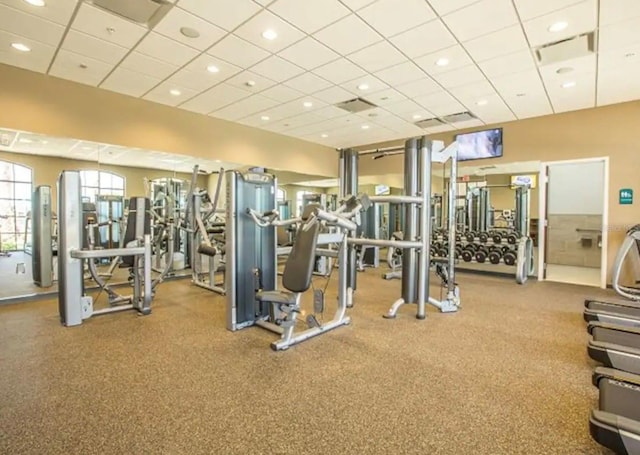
459	117
429	123
578	46
356	105
145	12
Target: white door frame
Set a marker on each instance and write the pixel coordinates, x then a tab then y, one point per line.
542	215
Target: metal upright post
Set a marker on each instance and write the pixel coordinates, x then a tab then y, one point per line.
453	195
409	278
425	226
348	173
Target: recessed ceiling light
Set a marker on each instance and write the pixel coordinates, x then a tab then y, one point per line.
363	86
442	61
417	116
307	104
564	70
630	54
558	26
250	83
269	34
213	69
365	127
519	95
324	136
44	142
83	66
190	32
175	92
482	103
264	117
111	30
26	140
35	2
569	84
20	47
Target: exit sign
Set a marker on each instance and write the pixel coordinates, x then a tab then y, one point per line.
626	196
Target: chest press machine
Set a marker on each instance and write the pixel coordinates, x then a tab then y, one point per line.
251	282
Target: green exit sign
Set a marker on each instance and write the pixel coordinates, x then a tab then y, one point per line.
626	196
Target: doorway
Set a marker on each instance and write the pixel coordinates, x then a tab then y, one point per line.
574	210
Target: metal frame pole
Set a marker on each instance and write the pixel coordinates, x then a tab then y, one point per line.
425	226
453	195
409	278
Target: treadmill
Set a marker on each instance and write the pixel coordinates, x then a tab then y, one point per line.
615	346
616	422
625	311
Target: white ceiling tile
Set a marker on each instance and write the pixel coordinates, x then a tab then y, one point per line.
197	81
244	107
456	55
314	15
308	54
518	83
492	107
238	51
529	10
390	17
281	93
424	39
339	71
307	83
499	116
433	100
149	66
348	35
446	108
618	35
420	87
109	27
377	57
581	18
215	98
308	118
618	11
534	108
330	112
277	69
165	49
506	64
468	124
404	107
200	64
415	115
466	24
472	92
443	7
357	4
83	44
376	114
496	44
619	85
400	74
374	84
29	26
460	76
580	66
37	60
162	94
227	14
252	31
333	95
79	68
128	82
176	18
385	97
260	82
621	59
582	96
58	11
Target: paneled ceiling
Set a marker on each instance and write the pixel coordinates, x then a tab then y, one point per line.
413	59
39	144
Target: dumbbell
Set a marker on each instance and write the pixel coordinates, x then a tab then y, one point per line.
497	238
510	257
495	254
483	237
512	239
458	237
458	251
505	248
470	236
481	254
468	251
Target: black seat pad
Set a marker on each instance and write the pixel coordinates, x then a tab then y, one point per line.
277	297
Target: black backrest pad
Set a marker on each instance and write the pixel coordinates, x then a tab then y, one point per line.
299	267
138	223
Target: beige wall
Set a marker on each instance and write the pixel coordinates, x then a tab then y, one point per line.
48	105
605	131
46	170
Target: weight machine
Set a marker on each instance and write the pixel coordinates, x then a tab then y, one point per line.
251	251
73	304
42	245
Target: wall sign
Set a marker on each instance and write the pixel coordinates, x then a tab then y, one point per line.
626	196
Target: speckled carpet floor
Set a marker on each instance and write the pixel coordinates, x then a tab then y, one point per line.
508	374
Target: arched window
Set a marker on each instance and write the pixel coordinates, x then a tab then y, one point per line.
16	188
100	183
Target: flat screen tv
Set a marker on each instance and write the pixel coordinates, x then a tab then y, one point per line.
479	145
